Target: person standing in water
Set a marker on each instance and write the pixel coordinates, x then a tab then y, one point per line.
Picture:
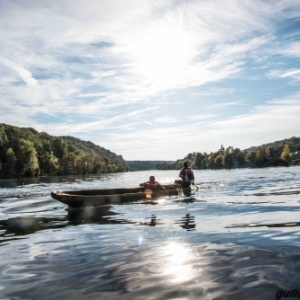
187	176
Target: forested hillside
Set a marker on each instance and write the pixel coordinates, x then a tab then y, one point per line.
142	165
293	142
279	153
24	152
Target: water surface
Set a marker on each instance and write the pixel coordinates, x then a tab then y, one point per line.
238	239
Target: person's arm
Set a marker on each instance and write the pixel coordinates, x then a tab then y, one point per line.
193	176
163	187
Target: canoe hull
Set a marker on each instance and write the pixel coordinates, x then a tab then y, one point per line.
95	198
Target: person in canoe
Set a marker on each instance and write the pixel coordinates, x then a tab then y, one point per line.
187	176
151	187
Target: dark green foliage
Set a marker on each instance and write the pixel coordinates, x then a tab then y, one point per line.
142	165
27	161
24	152
293	142
279	153
286	153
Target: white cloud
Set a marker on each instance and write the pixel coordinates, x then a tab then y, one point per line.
214	92
202	117
24	74
292	49
165	120
117	70
291	73
271	121
226	104
278	119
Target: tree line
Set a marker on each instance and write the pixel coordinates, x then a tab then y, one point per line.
142	165
24	152
280	153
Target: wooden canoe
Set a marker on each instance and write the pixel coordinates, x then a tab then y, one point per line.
85	198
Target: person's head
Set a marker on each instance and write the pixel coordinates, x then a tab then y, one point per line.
152	178
185	164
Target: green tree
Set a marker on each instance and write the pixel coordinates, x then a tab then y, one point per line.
27	163
204	164
286	153
3	137
197	162
49	164
211	160
3	145
240	159
60	150
219	161
262	155
228	161
251	158
10	163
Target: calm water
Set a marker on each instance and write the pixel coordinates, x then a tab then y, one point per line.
239	239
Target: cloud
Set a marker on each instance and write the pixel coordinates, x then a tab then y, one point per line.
291	73
127	73
202	117
292	49
103	123
162	44
275	120
24	74
226	104
214	92
165	120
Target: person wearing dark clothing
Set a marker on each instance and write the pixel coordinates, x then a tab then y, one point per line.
187	176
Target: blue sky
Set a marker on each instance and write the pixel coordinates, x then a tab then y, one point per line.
152	80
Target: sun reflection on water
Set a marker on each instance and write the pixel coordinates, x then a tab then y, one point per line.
177	267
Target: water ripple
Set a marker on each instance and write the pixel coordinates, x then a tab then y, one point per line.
236	238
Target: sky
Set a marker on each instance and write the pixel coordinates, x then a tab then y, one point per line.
152	79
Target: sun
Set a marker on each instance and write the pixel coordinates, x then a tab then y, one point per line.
162	54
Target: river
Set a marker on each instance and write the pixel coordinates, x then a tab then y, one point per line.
238	239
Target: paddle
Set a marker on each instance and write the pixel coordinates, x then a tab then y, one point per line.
195	186
180	181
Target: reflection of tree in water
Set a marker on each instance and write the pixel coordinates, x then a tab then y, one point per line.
188	222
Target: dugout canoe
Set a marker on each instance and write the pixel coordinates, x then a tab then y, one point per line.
101	197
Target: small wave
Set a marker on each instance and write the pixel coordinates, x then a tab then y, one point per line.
275	193
286	224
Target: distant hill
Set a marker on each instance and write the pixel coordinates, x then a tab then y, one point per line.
143	165
25	152
293	142
279	153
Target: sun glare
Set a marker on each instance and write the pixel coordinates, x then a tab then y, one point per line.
177	264
162	55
